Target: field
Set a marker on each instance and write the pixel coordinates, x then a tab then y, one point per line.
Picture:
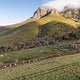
58	49
59	68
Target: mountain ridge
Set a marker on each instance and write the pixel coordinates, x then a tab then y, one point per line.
43	11
68	11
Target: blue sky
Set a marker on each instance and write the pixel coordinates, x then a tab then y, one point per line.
12	11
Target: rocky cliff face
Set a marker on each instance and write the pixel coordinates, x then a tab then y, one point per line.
71	12
43	11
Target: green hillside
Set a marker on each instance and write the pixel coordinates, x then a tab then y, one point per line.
55	29
29	30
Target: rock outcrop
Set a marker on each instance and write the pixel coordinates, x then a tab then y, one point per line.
71	12
43	11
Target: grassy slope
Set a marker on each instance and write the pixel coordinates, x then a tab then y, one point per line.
24	32
29	30
55	29
3	31
57	18
60	68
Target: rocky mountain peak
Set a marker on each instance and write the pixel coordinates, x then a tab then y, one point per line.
71	12
43	11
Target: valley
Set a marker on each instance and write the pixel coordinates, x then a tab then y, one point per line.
44	47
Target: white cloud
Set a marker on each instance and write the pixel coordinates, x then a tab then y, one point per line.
60	4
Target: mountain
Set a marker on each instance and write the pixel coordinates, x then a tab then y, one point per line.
71	12
44	11
43	19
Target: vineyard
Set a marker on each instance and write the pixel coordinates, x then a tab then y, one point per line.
59	68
